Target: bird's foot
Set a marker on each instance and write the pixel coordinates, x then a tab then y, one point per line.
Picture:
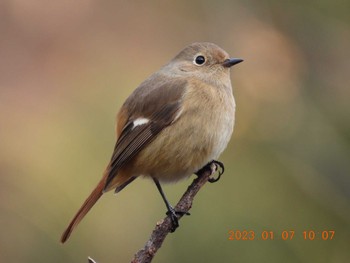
219	166
173	214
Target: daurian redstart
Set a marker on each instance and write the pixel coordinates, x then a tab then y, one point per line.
176	122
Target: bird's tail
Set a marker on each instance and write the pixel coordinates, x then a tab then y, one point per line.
84	209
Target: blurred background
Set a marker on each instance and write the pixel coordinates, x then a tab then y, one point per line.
67	66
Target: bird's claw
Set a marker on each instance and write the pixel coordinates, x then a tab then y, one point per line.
172	213
219	166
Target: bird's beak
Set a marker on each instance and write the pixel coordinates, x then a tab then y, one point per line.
231	61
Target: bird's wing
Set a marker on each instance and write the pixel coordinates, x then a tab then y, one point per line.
155	109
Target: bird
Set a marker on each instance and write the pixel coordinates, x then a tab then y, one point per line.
175	123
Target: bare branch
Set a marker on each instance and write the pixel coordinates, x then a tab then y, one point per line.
163	227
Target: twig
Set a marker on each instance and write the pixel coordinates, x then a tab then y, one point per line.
163	227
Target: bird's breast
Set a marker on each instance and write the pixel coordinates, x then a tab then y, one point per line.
199	135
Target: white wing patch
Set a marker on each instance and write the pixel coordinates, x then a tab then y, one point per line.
140	121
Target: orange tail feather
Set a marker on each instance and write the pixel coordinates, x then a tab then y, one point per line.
85	208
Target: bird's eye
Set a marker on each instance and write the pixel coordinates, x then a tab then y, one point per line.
199	60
